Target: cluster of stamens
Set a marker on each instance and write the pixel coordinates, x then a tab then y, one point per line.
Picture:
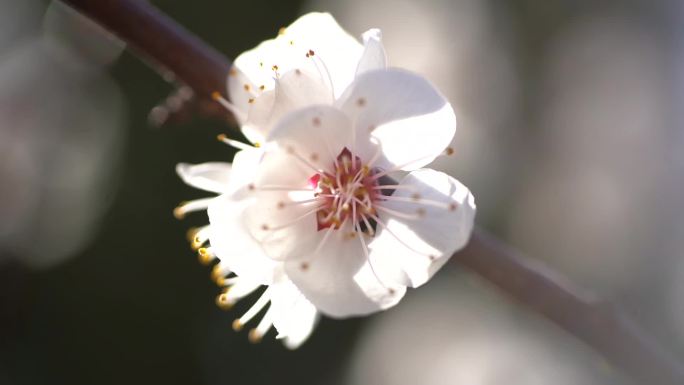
346	193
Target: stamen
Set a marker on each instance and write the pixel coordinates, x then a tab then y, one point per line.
266	227
384	226
234	143
419	200
201	237
400	214
191	206
291	151
206	255
216	96
256	308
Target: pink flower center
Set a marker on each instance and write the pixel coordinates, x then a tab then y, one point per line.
346	193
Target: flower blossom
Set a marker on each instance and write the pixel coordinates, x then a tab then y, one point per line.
312	210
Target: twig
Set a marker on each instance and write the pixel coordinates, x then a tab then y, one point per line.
599	324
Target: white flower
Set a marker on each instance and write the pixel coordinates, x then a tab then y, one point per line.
243	267
312	212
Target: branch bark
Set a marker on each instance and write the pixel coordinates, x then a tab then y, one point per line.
599	324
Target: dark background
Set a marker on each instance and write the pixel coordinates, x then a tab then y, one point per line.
130	304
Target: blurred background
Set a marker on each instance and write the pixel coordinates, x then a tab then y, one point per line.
570	136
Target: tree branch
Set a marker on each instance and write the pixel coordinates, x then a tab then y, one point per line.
597	323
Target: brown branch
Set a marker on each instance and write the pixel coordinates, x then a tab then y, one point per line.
599	324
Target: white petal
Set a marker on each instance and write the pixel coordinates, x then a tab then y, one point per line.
293	90
338	279
317	134
318	32
233	245
211	176
245	165
410	119
293	315
410	251
275	219
374	56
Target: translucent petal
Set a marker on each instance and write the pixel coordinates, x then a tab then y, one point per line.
410	251
410	119
211	176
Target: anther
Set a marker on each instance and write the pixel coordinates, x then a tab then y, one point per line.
304	266
204	255
360	102
449	151
254	336
391	291
232	72
316	121
221	137
250	100
251	187
310	53
298	72
237	325
275	67
420	212
247	87
281	31
415	196
178	212
262	87
222	301
216	95
432	257
453	206
314	157
281	205
264	227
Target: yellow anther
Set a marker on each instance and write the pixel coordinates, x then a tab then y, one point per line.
196	243
217	275
360	102
257	144
291	42
304	266
221	137
247	87
204	256
237	325
250	100
222	301
281	205
275	67
232	72
282	31
262	87
449	151
216	95
365	170
191	233
178	212
254	336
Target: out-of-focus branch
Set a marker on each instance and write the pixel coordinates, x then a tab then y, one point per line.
597	323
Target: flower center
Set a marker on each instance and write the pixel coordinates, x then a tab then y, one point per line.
346	193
